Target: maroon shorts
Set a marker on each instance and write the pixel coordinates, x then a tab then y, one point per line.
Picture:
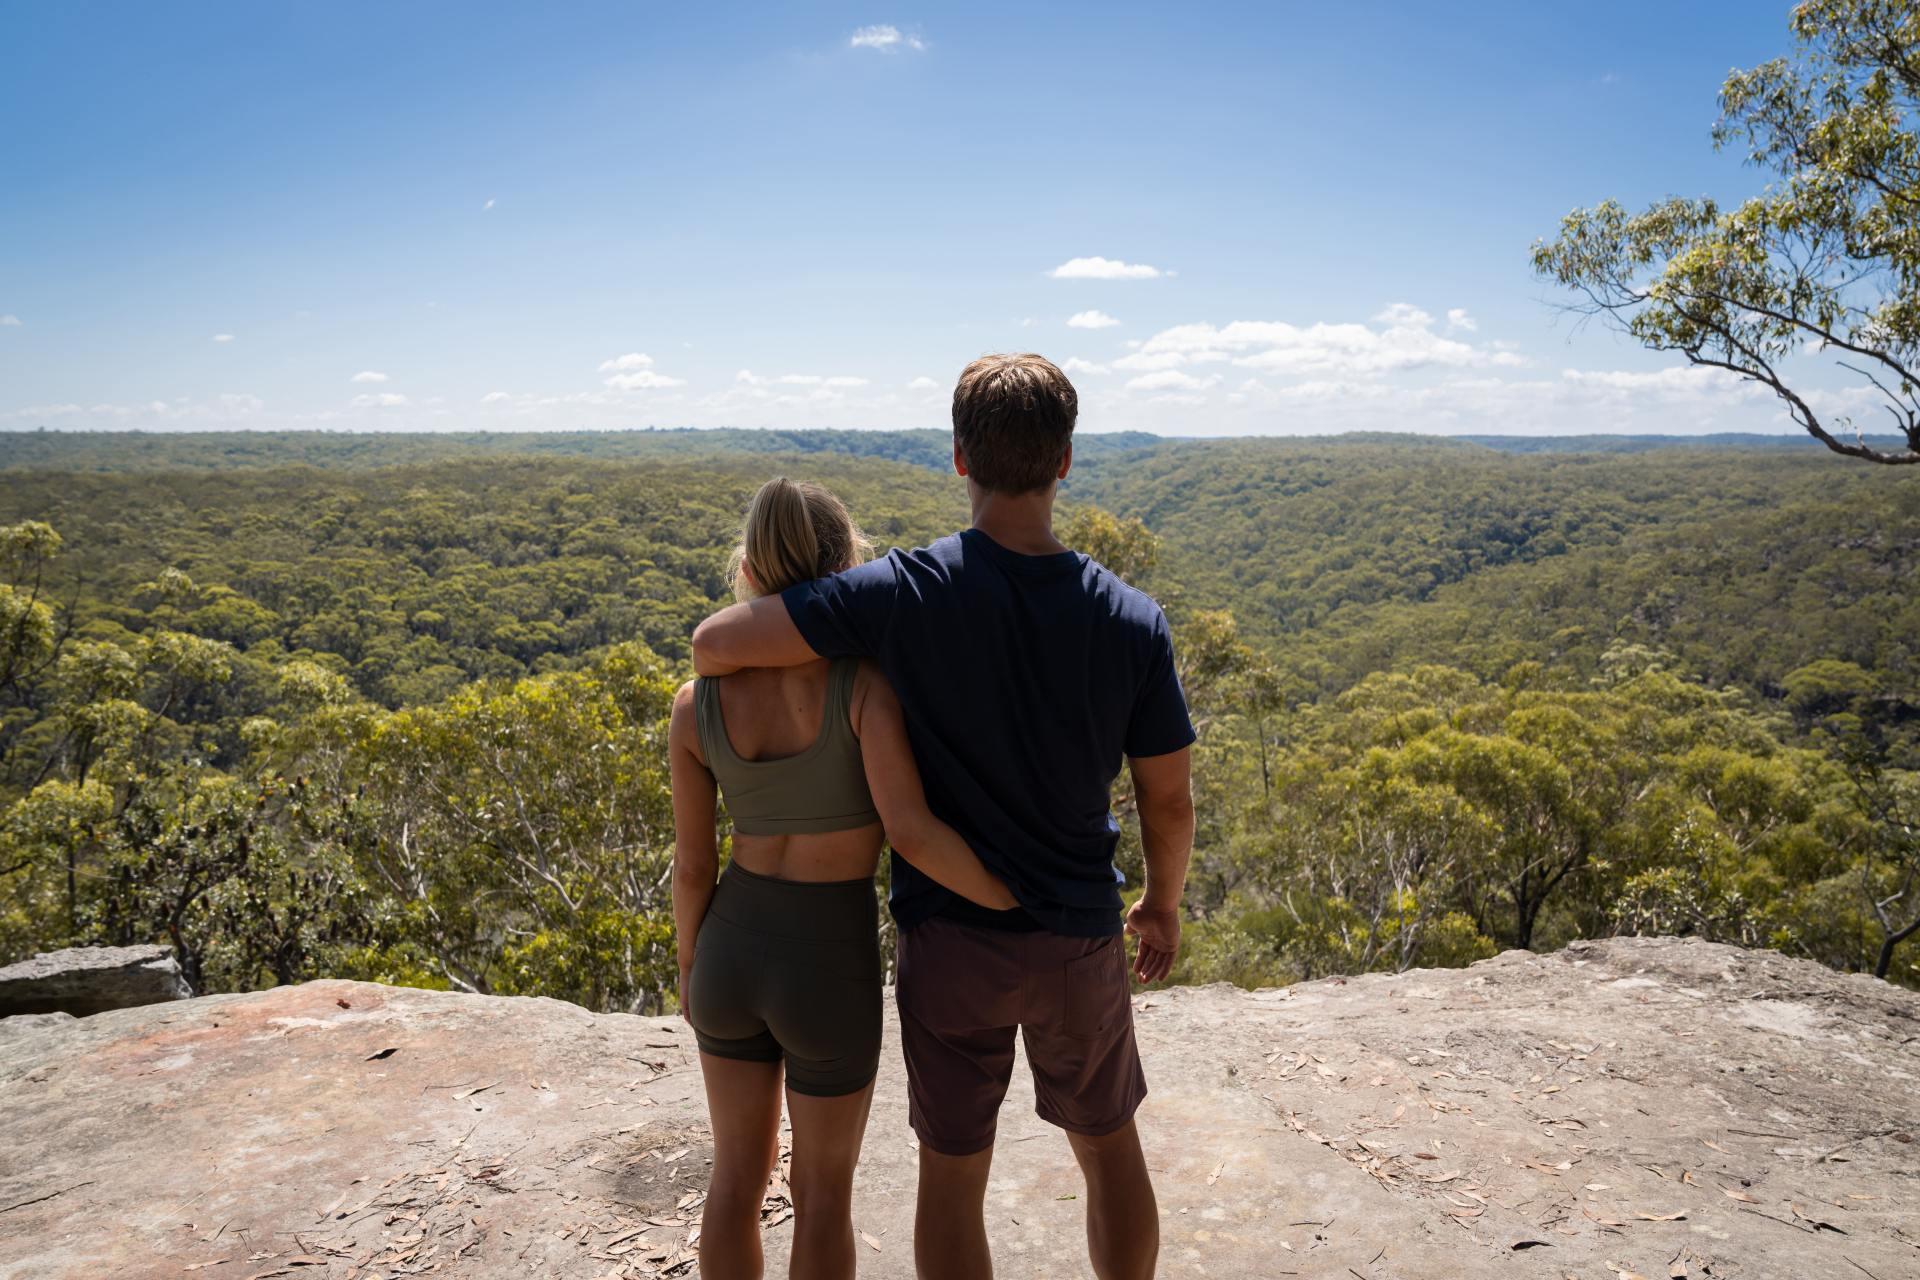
964	991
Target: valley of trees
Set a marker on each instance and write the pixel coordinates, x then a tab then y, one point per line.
395	707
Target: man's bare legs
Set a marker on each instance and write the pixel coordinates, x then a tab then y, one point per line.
743	1102
1123	1219
826	1147
950	1222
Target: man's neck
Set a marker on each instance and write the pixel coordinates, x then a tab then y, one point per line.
1021	522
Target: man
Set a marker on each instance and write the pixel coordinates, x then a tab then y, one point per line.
1026	671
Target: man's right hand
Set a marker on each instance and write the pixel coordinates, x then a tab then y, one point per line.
1158	929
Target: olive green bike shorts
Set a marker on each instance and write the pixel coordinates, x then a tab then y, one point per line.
789	970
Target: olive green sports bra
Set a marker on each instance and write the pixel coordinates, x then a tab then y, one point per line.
824	788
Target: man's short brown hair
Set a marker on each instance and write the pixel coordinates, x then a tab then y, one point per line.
1013	420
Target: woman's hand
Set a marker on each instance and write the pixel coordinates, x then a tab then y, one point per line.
999	897
686	1009
934	848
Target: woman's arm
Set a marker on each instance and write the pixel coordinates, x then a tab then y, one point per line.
696	842
915	834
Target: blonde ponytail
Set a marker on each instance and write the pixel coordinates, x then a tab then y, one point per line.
794	532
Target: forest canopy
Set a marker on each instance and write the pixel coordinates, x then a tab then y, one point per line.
394	708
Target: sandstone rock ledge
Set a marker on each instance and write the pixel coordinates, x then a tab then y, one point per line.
1647	1106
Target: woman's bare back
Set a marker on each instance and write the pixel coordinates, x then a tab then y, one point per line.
771	713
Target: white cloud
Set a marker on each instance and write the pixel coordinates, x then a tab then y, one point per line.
379	400
634	372
643	380
922	383
1147	361
9	322
1457	318
1074	364
1404	341
1170	380
1091	320
748	378
1402	315
815	380
487	205
368	375
223	337
887	38
1103	269
495	397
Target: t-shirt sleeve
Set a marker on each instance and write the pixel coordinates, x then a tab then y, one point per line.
1160	722
848	614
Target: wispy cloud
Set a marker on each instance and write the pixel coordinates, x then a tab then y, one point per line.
643	380
1403	340
1074	364
634	371
368	375
1091	320
1171	380
922	383
887	38
9	321
380	400
817	380
223	337
1457	318
1104	269
487	205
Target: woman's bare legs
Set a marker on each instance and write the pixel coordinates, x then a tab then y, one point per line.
826	1145
743	1104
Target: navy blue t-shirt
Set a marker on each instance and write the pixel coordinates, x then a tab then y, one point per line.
1025	680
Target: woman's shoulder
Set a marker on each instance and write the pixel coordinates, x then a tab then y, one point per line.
685	707
870	690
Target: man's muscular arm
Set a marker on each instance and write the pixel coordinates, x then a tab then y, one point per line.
758	633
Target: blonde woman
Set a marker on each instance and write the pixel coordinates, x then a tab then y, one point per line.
779	961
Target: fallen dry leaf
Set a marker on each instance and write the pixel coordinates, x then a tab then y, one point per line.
1661	1217
1735	1193
871	1242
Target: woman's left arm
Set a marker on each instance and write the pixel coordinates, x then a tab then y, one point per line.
929	844
696	840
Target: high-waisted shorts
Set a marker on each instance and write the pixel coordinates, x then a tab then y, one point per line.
790	970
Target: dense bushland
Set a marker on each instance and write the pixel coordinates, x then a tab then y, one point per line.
401	716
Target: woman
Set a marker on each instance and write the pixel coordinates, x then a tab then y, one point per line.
779	962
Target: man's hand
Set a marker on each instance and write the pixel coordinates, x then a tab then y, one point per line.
1158	929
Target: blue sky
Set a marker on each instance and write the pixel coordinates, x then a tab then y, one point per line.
1300	217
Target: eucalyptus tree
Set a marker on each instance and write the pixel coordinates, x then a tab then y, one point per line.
1825	262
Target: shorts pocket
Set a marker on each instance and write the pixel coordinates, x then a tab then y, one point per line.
1096	991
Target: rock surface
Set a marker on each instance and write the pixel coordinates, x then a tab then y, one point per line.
1638	1106
87	980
